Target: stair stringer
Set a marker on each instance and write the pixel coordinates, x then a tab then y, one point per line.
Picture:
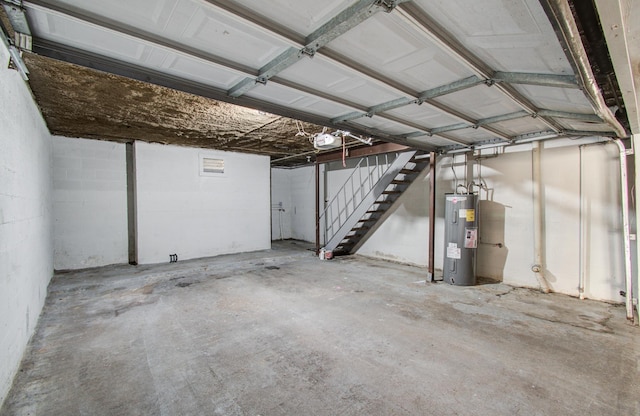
369	199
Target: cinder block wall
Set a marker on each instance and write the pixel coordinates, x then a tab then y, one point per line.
506	216
193	215
89	203
26	246
296	187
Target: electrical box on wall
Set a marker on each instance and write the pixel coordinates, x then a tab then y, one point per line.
461	239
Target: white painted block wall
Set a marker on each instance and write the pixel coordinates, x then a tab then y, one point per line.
507	218
296	188
303	203
281	204
89	203
404	235
26	247
182	212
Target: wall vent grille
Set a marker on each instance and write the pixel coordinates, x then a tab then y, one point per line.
212	166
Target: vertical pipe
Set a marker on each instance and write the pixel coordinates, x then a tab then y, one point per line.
132	203
583	233
318	208
635	142
538	267
432	215
625	228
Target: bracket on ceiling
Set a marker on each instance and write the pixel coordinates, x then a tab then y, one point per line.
15	54
18	19
388	5
334	28
310	52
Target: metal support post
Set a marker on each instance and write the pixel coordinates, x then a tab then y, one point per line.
432	216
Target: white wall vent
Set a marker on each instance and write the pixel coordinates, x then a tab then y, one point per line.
211	166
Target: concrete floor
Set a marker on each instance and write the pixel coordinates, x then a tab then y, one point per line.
283	333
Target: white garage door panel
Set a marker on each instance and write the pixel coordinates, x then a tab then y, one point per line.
84	36
433	141
301	16
510	35
194	24
559	99
521	126
289	97
379	123
470	135
387	44
321	74
424	115
201	71
480	101
416	47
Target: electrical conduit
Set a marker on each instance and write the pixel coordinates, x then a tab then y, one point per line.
583	230
538	267
625	228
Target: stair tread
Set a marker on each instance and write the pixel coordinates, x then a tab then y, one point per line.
405	164
368	219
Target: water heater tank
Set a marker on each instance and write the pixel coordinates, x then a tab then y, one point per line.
461	239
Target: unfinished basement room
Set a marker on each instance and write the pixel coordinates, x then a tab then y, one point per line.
340	207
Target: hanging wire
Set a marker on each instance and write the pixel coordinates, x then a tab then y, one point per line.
301	131
344	152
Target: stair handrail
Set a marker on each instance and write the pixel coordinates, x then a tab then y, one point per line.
372	176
